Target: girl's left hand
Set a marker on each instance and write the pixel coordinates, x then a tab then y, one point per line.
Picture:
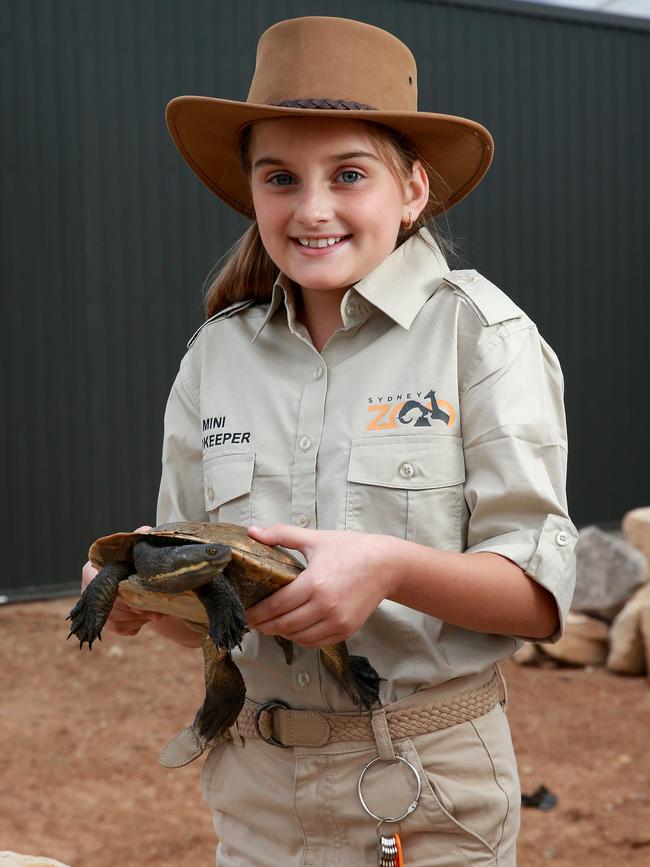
347	576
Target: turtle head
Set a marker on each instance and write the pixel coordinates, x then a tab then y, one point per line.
179	567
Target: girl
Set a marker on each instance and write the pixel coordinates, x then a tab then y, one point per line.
399	424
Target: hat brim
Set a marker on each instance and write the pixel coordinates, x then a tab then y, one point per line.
206	131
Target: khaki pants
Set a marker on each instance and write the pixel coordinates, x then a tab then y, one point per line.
299	807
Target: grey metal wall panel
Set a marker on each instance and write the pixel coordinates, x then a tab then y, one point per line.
106	236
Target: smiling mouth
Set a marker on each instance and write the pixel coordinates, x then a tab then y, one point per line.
320	243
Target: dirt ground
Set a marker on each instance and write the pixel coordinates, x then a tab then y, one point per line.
81	735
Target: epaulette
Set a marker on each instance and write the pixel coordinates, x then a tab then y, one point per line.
226	313
488	302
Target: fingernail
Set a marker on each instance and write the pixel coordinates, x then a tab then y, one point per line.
255	528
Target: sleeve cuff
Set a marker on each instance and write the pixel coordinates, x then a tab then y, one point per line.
547	556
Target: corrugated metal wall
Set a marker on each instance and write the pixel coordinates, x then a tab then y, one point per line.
106	236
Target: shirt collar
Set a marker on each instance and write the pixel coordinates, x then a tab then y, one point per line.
406	279
399	286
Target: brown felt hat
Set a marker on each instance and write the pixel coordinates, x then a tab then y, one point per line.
336	67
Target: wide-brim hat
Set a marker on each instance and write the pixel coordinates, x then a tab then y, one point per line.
318	66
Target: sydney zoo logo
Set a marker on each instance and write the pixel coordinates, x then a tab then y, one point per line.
417	410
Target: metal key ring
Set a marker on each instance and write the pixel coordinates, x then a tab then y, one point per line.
410	807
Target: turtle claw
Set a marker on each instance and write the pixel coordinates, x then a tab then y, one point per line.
93	607
86	623
366	680
226	615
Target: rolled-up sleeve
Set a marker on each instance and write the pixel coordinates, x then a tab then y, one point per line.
515	445
180	497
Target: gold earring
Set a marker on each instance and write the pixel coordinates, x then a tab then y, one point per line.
410	222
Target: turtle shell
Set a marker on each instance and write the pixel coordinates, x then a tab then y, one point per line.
256	569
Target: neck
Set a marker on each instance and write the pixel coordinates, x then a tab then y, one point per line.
320	313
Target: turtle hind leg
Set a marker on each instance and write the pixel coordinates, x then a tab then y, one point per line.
224	693
355	674
91	611
367	680
287	648
226	615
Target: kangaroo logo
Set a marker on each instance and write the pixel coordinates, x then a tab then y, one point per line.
426	412
388	414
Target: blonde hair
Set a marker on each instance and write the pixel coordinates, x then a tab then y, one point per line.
248	272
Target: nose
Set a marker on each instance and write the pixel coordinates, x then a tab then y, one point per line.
314	205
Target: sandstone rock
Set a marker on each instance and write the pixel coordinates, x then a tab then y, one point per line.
528	654
584	642
629	636
13	859
608	571
636	527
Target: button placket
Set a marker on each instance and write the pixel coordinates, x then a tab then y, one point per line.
310	424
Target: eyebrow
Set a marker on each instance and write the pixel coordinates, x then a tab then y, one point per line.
336	158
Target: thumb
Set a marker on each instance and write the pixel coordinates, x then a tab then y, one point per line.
284	534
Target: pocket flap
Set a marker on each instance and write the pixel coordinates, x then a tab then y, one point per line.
226	477
414	462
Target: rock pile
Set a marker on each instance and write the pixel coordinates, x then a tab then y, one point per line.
609	621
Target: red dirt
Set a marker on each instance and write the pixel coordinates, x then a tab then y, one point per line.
81	782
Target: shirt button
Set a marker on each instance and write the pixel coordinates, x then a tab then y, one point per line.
210	494
304	443
351	310
317	372
407	470
562	538
303	678
302	521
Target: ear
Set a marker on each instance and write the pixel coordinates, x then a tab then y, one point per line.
416	193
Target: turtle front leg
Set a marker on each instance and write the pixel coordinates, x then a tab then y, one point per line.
224	692
91	611
226	615
355	674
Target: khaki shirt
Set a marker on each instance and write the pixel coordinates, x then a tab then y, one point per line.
435	414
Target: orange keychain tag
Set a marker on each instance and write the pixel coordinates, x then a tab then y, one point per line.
400	858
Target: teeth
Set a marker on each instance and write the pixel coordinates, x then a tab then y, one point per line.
318	242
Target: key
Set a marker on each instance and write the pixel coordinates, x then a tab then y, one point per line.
389	851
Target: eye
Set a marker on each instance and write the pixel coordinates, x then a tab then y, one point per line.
281	180
211	551
350	176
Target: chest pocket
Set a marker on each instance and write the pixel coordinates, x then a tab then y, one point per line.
407	486
227	483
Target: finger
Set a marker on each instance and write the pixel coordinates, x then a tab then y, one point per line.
317	635
278	604
87	574
292	623
286	535
143	528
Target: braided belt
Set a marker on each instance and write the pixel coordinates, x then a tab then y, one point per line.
281	726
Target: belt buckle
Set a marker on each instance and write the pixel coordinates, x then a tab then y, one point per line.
273	704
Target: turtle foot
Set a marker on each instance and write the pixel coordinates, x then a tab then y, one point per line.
87	623
366	680
91	611
355	674
226	615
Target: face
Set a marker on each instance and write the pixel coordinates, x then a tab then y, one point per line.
328	207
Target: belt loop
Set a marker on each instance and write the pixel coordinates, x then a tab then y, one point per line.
502	701
379	725
237	739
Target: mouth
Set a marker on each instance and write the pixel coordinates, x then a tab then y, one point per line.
321	243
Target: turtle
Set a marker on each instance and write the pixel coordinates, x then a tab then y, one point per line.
226	572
